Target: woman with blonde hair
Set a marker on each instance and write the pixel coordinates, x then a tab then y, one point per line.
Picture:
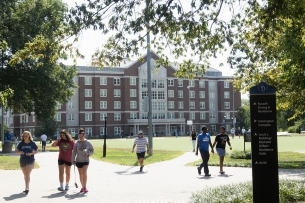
65	144
80	157
26	149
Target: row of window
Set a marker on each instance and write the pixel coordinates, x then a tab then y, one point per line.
156	83
160	115
156	94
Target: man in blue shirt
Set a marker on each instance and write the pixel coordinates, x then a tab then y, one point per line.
203	142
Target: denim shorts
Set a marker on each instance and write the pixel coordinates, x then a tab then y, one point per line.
23	164
221	152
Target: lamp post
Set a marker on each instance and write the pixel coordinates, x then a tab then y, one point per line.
104	146
190	122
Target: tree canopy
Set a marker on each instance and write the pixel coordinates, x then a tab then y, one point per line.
32	32
265	38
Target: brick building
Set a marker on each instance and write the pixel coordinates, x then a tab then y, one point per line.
119	94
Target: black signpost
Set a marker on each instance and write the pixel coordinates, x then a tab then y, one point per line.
264	144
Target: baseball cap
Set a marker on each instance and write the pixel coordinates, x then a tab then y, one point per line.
140	132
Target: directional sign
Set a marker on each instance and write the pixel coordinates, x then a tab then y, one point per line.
264	144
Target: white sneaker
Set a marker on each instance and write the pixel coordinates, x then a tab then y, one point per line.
67	187
60	188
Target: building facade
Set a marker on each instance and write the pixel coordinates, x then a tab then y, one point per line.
117	97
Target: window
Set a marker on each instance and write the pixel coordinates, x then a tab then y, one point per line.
88	131
226	95
58	105
228	127
117	130
154	106
192	105
88	116
144	83
192	94
212	84
116	81
144	94
212	105
88	92
102	130
103	105
117	105
144	116
226	84
171	104
103	81
153	83
133	93
133	115
33	119
202	105
212	128
170	93
161	83
170	82
180	105
102	116
191	83
88	81
161	106
201	94
117	93
71	117
57	117
103	93
154	95
171	115
133	81
181	115
71	105
180	94
180	83
227	115
117	116
202	116
161	95
212	115
212	95
192	115
227	105
88	104
133	104
201	84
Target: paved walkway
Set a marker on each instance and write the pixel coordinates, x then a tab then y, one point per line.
168	181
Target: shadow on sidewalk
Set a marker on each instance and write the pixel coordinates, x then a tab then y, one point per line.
14	197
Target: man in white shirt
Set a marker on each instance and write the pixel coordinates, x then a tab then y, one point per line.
43	138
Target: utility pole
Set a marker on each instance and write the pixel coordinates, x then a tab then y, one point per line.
150	141
104	146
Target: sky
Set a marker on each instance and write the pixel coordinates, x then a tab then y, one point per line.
90	40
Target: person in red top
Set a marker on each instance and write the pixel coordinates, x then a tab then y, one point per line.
65	144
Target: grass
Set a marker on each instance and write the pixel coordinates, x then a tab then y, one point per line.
289	190
11	163
166	148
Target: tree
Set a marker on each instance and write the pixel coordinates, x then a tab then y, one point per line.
47	126
243	115
33	32
266	38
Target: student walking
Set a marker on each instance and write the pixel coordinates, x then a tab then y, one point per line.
27	149
43	138
220	142
193	138
80	157
140	142
203	143
65	144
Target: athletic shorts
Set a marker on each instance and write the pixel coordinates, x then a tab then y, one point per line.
44	143
221	152
81	164
23	164
141	155
62	162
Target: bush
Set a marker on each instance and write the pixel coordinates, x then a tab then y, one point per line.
293	129
289	190
240	155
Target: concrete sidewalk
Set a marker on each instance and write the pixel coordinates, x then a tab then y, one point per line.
168	181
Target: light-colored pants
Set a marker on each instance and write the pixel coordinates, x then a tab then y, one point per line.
194	144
